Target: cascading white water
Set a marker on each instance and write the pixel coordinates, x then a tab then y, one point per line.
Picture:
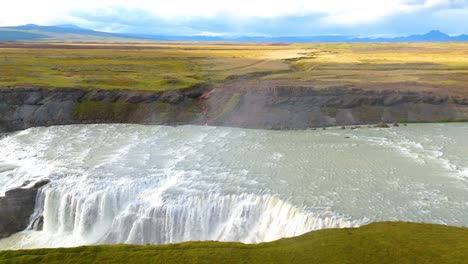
158	212
152	184
116	218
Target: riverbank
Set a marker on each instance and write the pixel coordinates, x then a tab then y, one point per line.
237	103
375	243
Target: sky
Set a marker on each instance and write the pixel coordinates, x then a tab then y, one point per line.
245	17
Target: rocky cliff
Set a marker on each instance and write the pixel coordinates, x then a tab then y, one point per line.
21	108
16	208
303	107
229	105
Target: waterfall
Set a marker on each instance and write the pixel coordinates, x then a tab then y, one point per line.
124	215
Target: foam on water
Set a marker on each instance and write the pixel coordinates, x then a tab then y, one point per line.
155	184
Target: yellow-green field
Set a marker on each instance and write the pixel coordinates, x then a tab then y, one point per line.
140	67
163	66
375	243
429	63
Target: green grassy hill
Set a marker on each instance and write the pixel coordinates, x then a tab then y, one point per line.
375	243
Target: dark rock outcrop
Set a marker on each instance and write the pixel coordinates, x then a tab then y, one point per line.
382	125
16	208
27	107
171	97
21	108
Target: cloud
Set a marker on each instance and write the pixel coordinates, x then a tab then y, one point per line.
140	21
245	17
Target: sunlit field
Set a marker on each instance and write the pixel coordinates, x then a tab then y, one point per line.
139	67
165	66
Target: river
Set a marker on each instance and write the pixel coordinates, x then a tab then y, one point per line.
158	184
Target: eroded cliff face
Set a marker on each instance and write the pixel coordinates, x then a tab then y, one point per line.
21	108
16	208
235	105
26	107
300	108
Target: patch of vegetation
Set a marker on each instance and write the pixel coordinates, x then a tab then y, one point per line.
330	111
444	120
92	110
376	243
369	112
190	111
229	106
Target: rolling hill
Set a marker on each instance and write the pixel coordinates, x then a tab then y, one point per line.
60	33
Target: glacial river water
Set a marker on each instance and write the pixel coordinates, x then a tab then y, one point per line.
159	184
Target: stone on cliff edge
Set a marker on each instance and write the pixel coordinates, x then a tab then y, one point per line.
382	125
16	209
171	97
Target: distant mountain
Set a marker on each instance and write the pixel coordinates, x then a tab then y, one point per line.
68	32
290	39
461	38
69	26
14	35
432	36
32	32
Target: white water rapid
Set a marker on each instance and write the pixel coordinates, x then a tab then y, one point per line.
156	184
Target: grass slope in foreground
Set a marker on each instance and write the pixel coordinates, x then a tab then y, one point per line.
375	243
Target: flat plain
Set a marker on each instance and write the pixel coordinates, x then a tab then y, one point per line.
168	66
